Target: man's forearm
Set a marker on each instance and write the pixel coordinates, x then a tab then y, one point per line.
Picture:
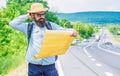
19	24
19	20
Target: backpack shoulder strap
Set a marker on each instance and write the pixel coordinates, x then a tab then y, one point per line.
48	25
29	30
30	26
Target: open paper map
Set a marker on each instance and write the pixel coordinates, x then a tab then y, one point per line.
56	42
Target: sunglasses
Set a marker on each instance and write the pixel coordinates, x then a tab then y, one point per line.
42	14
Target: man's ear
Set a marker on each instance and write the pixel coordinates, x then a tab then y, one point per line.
32	15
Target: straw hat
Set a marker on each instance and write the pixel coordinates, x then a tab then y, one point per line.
37	8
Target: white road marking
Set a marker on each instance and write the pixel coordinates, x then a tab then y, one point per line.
89	56
99	65
86	51
93	59
60	71
86	47
108	74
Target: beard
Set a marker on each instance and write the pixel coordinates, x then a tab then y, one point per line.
40	22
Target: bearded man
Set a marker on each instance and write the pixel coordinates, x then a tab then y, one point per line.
41	66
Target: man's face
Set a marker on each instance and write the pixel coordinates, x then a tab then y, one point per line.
39	18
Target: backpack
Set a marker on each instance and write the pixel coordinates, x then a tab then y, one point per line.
30	28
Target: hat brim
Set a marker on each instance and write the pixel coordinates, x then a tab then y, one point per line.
37	11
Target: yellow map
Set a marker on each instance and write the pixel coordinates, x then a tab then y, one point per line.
56	42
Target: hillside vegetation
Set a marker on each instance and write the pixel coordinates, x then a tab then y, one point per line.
96	17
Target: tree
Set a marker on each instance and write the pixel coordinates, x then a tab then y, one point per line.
65	23
50	16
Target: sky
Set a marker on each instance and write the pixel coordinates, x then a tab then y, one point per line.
68	6
2	3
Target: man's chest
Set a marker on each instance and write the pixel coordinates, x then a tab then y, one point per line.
38	32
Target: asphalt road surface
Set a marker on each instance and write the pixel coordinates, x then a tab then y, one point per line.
93	58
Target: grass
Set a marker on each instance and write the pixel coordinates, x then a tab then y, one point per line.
9	63
117	38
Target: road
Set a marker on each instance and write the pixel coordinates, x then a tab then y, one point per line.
93	58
